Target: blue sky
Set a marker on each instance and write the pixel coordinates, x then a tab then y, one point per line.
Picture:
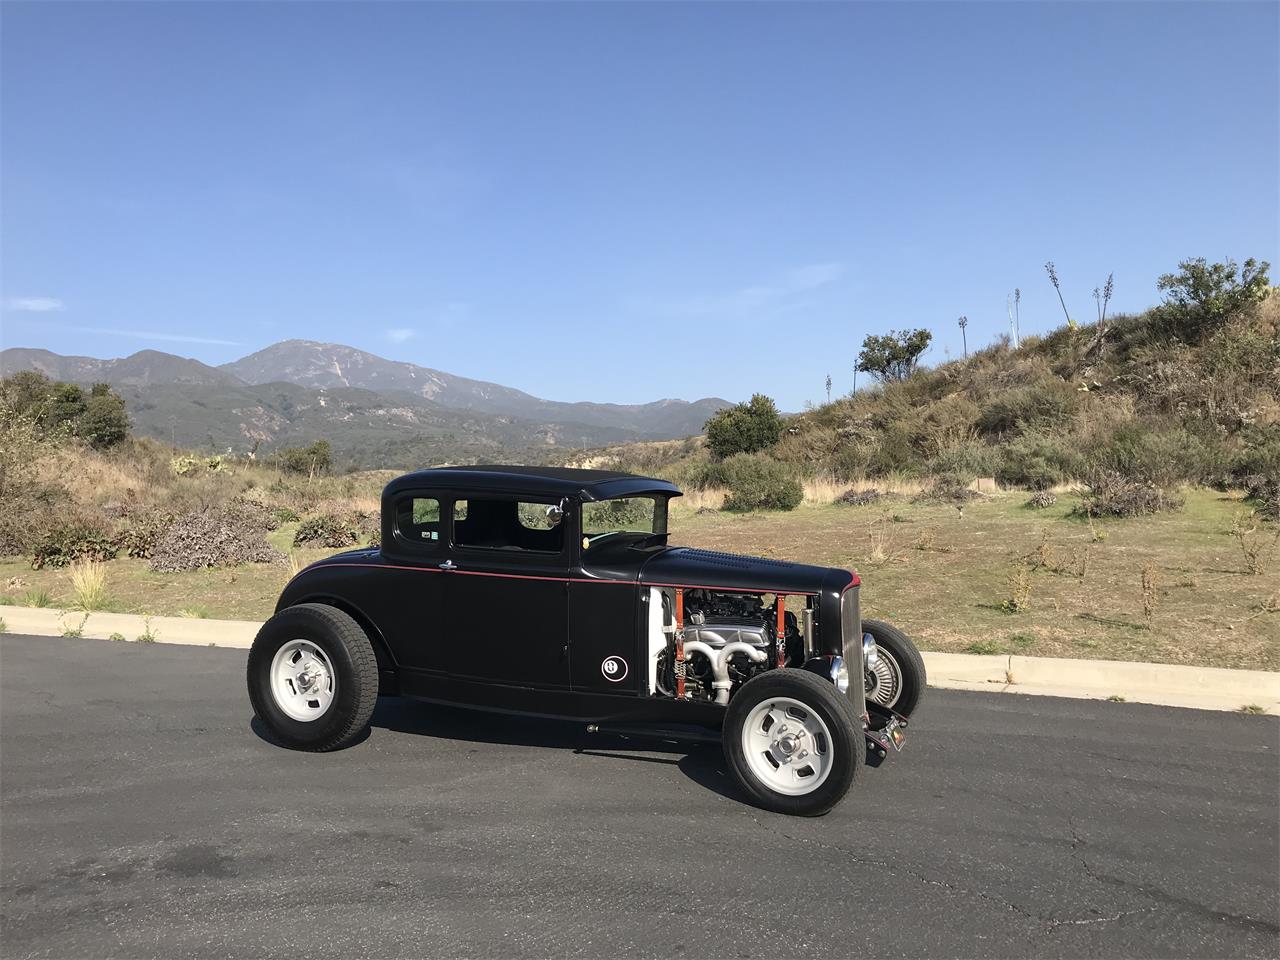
617	201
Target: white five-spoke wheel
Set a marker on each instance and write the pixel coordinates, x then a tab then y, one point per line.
303	682
787	746
313	677
792	742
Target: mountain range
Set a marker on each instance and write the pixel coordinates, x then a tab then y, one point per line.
375	411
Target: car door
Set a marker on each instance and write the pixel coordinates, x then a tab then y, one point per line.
506	592
410	598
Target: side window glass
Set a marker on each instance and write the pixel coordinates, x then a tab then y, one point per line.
507	525
418	520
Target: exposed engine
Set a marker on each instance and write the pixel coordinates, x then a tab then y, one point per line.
728	639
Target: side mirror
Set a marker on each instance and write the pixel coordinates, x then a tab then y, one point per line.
555	513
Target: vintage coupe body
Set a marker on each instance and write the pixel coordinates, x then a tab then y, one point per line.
553	592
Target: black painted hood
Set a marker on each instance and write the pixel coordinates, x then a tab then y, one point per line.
690	567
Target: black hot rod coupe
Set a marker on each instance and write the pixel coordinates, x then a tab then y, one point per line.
553	592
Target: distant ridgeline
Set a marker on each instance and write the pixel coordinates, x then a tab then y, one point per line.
373	411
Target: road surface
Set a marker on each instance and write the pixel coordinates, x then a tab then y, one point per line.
144	816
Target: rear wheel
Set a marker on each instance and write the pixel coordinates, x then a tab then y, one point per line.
792	742
313	678
897	679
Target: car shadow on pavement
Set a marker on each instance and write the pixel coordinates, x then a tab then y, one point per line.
703	763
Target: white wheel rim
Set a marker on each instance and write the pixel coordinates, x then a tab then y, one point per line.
884	680
788	746
303	681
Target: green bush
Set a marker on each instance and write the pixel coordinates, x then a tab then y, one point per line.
328	530
69	542
285	515
312	459
1051	402
1039	461
744	428
1158	456
758	483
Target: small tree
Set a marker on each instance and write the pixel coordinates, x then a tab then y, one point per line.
104	422
311	460
1205	295
744	428
894	356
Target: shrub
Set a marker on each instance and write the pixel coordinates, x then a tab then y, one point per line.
1041	500
947	488
104	422
328	530
1146	454
1111	494
758	483
69	542
894	356
285	515
310	460
744	428
1049	402
138	538
211	538
1038	461
859	498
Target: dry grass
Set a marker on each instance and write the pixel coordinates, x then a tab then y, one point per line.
89	584
695	500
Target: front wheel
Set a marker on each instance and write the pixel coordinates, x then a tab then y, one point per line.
792	742
897	679
313	677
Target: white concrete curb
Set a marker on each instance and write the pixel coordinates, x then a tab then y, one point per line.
49	622
1205	688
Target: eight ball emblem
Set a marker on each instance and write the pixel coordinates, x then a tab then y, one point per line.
614	669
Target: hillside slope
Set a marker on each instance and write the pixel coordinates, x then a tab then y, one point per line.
1156	402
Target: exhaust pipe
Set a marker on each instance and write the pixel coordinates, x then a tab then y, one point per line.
720	681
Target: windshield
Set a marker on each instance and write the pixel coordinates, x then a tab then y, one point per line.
607	518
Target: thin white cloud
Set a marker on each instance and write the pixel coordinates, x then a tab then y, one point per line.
779	293
401	334
155	335
34	304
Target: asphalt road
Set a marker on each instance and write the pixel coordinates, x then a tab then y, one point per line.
144	816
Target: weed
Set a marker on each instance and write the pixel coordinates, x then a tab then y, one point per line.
37	598
1252	708
1042	555
881	535
1116	698
1019	583
984	647
1256	546
194	613
89	583
76	631
294	564
146	636
1150	591
118	637
1022	641
4	627
1096	533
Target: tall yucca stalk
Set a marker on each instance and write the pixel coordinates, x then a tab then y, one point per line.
1053	278
964	322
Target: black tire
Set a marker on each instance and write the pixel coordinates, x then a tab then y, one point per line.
351	657
818	694
910	663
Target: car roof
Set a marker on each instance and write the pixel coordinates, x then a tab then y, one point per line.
536	481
